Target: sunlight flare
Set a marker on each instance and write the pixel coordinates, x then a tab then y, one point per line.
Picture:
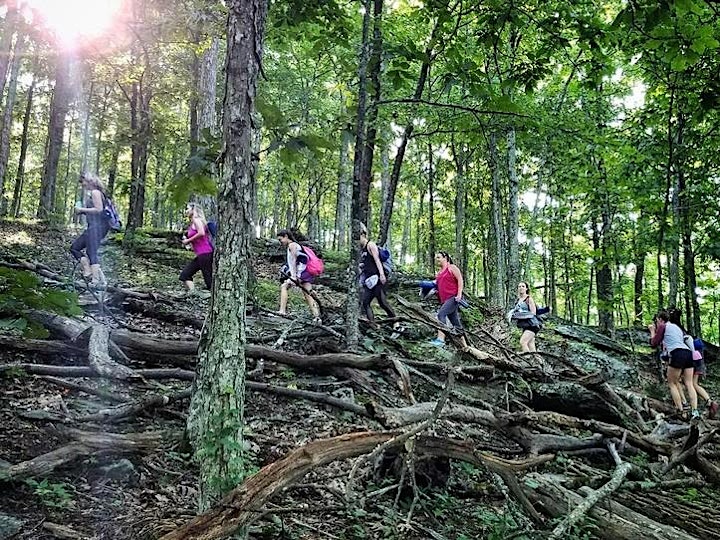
73	20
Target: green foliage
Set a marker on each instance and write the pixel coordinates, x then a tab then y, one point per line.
198	176
222	443
20	291
51	494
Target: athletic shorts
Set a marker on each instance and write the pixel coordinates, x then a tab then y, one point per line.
699	367
681	359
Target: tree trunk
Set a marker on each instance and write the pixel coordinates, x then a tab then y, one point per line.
101	128
460	156
344	194
140	126
432	248
407	133
6	36
497	244
406	227
20	177
56	128
674	250
7	122
207	116
360	185
216	417
112	170
513	268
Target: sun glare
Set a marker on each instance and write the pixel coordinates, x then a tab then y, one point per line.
73	20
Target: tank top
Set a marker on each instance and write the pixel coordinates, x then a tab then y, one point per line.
447	285
201	245
95	220
367	263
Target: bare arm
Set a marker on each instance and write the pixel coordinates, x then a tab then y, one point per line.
97	204
293	249
373	249
461	284
532	305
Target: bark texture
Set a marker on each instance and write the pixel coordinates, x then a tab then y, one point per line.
216	410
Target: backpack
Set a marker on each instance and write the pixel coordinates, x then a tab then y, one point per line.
386	260
212	229
315	265
111	214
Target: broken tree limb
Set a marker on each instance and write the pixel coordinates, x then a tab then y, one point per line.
621	471
317	397
85	444
241	505
614	521
131	409
76	371
690	447
99	356
42	346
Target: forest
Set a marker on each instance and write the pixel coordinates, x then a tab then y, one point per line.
566	146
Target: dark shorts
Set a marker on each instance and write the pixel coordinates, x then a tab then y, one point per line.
306	277
527	324
681	359
699	367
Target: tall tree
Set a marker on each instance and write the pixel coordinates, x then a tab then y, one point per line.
56	128
216	415
20	176
20	46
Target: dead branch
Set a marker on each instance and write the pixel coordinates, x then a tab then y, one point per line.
99	356
621	471
85	445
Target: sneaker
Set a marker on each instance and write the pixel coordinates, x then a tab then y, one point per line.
437	343
695	414
713	409
686	406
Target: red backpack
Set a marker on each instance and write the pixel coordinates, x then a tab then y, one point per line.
315	265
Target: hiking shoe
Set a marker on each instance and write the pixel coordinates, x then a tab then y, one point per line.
713	409
437	343
204	294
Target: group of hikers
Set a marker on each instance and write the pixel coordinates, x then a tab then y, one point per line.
685	363
684	355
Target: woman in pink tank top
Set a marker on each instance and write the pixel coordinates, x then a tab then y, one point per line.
450	290
198	239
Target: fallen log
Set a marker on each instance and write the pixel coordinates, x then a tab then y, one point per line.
85	445
614	521
99	356
132	409
41	346
595	496
76	371
239	507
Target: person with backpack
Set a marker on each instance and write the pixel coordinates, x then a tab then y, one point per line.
198	239
373	277
699	369
681	363
525	316
450	286
301	269
85	247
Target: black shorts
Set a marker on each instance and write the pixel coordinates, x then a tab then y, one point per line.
681	359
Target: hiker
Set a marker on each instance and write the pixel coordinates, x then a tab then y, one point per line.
372	277
93	206
681	362
699	369
450	289
297	274
525	316
198	239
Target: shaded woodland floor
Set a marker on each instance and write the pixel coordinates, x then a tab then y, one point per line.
531	431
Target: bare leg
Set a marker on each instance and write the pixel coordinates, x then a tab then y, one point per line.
284	296
525	340
85	266
190	285
673	377
699	389
312	304
687	376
